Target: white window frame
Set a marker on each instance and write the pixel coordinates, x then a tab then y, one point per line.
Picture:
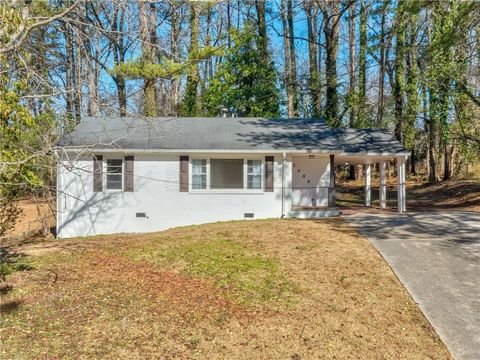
105	159
243	190
207	170
245	174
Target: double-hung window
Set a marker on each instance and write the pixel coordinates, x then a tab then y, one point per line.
199	174
254	174
114	170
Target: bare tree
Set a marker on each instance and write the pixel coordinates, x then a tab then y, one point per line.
383	53
150	107
314	72
332	13
352	73
287	60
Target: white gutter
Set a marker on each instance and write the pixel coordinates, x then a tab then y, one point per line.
223	151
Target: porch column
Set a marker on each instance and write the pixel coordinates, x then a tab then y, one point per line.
368	188
383	186
331	189
401	192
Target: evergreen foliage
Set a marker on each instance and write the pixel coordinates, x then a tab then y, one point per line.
246	83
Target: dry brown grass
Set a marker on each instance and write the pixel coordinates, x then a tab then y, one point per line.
456	195
36	216
446	195
103	297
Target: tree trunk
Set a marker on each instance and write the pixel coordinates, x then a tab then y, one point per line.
119	56
399	75
314	80
158	83
362	66
208	62
411	113
229	24
331	31
191	89
262	26
352	76
293	61
432	144
122	95
174	48
93	107
447	166
425	125
286	49
413	162
431	123
351	172
149	90
320	60
69	78
383	65
351	68
91	52
77	75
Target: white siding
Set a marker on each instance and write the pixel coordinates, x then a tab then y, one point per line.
310	180
82	212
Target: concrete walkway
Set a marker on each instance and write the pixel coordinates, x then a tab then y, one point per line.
437	257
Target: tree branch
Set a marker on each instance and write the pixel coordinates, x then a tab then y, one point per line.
22	33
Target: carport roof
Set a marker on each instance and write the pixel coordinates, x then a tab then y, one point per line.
228	134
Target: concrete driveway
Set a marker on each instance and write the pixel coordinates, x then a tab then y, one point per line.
437	258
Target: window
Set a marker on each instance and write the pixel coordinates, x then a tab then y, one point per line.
226	174
199	174
254	174
114	174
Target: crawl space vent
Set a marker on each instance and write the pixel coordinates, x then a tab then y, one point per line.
248	215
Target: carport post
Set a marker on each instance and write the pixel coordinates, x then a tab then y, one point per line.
368	188
383	186
401	192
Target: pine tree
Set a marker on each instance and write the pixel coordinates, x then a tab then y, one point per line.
246	83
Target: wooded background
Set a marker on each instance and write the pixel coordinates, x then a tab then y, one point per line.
410	66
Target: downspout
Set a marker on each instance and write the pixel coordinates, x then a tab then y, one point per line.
283	184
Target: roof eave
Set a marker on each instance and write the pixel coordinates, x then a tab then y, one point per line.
92	149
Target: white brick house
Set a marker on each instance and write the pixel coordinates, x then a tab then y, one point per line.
138	175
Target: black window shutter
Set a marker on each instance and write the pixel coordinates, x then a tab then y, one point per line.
183	173
268	173
97	173
129	173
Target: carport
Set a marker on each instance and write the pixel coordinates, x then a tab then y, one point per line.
367	161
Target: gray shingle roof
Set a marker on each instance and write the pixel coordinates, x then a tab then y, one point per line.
250	134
